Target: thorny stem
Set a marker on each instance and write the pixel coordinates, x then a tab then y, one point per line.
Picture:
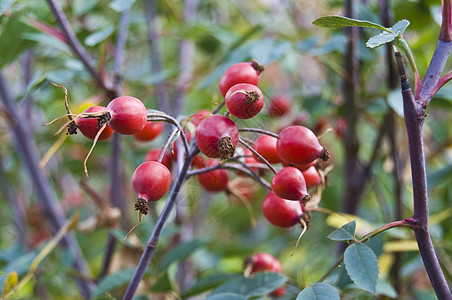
152	243
414	112
269	165
258	130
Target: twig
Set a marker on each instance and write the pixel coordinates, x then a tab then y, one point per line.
258	130
77	47
414	112
269	165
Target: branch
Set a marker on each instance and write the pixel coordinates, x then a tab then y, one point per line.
156	60
445	33
258	130
77	47
414	118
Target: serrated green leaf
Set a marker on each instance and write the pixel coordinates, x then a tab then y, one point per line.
207	283
319	291
121	5
114	281
341	22
98	36
225	296
259	285
180	252
399	27
380	39
362	266
345	233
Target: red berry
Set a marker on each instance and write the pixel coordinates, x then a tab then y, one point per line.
299	145
261	262
197	117
279	106
150	131
244	72
214	181
312	177
265	145
88	126
290	184
153	155
265	262
248	159
244	100
128	115
281	212
151	181
217	136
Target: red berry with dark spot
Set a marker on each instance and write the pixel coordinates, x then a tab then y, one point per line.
279	106
299	145
89	128
150	131
265	145
217	136
128	115
312	177
281	212
214	181
244	72
151	181
290	184
244	100
154	154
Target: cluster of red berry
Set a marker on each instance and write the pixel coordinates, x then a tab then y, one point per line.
217	136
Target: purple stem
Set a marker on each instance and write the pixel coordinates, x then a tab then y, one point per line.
186	52
45	193
156	59
77	47
434	70
414	113
152	243
116	193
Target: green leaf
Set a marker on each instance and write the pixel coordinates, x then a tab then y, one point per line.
163	284
395	101
99	36
225	296
207	283
384	288
114	281
180	252
13	42
121	5
362	266
341	22
399	27
380	39
259	285
345	233
319	291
